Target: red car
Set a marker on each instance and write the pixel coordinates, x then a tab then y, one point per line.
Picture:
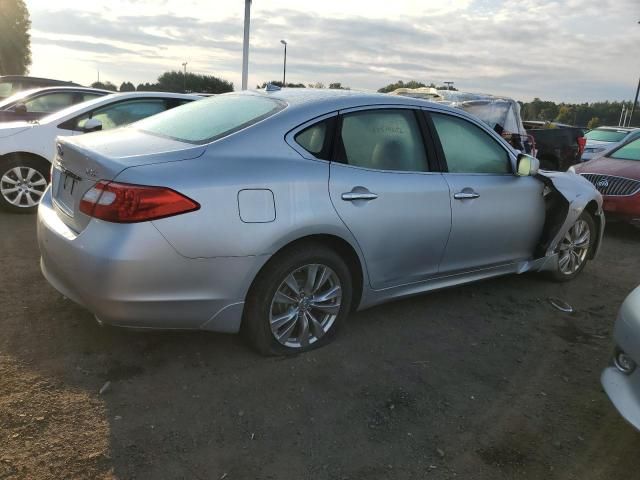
616	175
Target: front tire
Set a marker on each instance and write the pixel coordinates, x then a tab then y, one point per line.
298	301
23	181
575	248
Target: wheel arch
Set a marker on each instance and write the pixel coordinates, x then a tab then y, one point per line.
342	247
592	208
23	154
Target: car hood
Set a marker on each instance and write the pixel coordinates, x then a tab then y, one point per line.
611	166
13	128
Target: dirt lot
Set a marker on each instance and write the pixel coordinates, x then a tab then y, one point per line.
485	381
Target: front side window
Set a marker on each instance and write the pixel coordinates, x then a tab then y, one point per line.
50	103
469	149
383	140
631	151
124	113
204	121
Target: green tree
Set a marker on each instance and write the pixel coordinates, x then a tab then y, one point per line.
593	123
338	86
149	87
105	86
278	83
566	114
15	41
400	84
127	87
175	82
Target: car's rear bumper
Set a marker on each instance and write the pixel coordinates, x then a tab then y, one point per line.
129	275
624	392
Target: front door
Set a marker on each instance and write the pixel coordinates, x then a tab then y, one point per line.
497	216
382	189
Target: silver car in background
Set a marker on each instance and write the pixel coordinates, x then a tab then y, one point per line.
603	139
621	380
278	212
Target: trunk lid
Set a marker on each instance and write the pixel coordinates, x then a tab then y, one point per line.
82	161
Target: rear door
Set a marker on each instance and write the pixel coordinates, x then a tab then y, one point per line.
384	189
497	216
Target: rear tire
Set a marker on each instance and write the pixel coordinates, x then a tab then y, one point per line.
23	181
575	248
298	301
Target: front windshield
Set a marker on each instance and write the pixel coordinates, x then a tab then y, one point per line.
631	151
210	119
606	135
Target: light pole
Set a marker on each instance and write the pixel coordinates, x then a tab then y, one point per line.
284	72
635	100
245	44
184	87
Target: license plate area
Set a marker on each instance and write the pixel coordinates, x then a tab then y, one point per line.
68	184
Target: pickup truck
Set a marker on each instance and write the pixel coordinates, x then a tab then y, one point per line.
557	146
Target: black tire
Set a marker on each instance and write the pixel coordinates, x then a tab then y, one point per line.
560	276
256	322
7	200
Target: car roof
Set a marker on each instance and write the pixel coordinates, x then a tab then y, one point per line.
312	102
115	97
627	129
63	88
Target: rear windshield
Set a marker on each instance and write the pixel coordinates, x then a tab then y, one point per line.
631	151
606	135
207	120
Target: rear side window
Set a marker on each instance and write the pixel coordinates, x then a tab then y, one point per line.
207	120
469	149
50	102
383	140
316	139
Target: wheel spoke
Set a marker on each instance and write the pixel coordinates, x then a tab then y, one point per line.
312	273
303	336
322	279
10	190
316	326
564	260
280	320
39	182
30	173
282	297
329	295
330	309
583	240
286	333
292	283
8	179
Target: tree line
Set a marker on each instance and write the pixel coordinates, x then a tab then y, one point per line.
173	81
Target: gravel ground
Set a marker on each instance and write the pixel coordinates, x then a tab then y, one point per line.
485	381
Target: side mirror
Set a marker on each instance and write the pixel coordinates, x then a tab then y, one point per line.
92	125
20	108
527	165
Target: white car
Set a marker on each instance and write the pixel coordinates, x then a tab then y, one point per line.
602	139
27	149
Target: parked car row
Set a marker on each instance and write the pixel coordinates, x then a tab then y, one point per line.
27	149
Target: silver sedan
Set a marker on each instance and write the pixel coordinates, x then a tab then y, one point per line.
279	212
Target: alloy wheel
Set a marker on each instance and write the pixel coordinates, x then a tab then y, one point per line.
305	305
22	186
573	248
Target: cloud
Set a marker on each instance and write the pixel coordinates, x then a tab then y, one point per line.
562	50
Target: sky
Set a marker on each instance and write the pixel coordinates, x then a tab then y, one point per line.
560	50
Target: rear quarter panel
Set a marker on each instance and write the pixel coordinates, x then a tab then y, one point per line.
300	196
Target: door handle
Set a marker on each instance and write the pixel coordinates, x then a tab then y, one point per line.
465	195
351	196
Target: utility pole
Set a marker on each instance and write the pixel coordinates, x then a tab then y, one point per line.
184	87
245	45
635	101
284	71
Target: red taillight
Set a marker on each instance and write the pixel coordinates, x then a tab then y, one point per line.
582	142
125	203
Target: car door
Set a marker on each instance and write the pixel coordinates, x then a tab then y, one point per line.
497	216
384	190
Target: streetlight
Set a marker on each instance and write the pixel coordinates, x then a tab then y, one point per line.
184	88
245	44
284	72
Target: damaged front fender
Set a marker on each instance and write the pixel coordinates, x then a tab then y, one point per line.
567	195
